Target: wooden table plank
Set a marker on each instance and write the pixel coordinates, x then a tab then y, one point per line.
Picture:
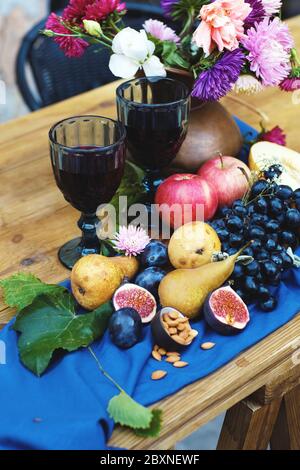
35	220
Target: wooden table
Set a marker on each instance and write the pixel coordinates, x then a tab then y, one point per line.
35	220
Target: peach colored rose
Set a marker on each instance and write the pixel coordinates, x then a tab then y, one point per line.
222	25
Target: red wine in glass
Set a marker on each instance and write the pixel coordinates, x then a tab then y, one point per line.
88	157
155	112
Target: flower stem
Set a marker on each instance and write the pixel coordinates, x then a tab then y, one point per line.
104	371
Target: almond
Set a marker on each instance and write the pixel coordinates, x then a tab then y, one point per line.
207	345
173	331
183	334
178	339
156	347
173	353
158	374
162	351
172	322
156	355
180	364
181	326
173	315
182	320
173	359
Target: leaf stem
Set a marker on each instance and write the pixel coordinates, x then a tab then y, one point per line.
103	371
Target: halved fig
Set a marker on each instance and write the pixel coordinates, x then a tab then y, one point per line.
133	296
225	311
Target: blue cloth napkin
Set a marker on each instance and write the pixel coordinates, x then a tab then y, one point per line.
66	407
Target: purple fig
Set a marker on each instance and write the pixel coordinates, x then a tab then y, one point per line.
225	311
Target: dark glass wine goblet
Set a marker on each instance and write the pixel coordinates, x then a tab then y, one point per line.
155	112
88	157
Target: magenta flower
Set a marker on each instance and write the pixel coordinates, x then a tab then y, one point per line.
160	31
290	84
132	240
275	135
101	9
269	44
75	11
72	46
216	82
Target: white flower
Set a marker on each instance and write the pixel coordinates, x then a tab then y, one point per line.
133	51
92	27
247	84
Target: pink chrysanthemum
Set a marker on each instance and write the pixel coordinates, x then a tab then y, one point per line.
75	11
272	7
160	31
275	135
290	84
72	47
269	44
132	240
101	9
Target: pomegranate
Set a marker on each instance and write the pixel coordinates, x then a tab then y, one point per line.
138	298
192	198
228	175
225	311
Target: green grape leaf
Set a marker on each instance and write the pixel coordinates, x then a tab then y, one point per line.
127	412
22	288
155	425
50	323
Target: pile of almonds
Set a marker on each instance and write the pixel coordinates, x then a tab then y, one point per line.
172	357
178	328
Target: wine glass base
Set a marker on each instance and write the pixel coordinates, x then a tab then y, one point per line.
73	250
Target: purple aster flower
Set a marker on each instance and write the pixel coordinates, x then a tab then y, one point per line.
272	7
216	82
257	14
269	44
167	6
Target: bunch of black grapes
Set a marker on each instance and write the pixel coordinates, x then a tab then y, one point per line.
271	218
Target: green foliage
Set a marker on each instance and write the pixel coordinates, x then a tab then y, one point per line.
22	288
171	56
49	323
127	412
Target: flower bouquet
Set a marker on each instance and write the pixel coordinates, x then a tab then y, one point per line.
225	45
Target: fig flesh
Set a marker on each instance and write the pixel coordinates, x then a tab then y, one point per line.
138	298
225	311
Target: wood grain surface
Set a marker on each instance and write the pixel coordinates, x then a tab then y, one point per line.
35	220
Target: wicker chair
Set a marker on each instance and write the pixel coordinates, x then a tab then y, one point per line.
46	76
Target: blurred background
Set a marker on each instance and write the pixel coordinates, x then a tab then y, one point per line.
16	19
20	22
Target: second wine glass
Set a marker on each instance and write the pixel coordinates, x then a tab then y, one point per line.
155	112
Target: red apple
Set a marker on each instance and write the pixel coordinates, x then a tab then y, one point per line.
225	174
195	199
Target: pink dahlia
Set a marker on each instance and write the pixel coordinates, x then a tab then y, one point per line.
132	240
160	31
269	44
75	11
290	84
275	135
72	46
101	9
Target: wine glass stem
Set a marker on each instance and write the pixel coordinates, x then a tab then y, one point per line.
151	182
90	243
